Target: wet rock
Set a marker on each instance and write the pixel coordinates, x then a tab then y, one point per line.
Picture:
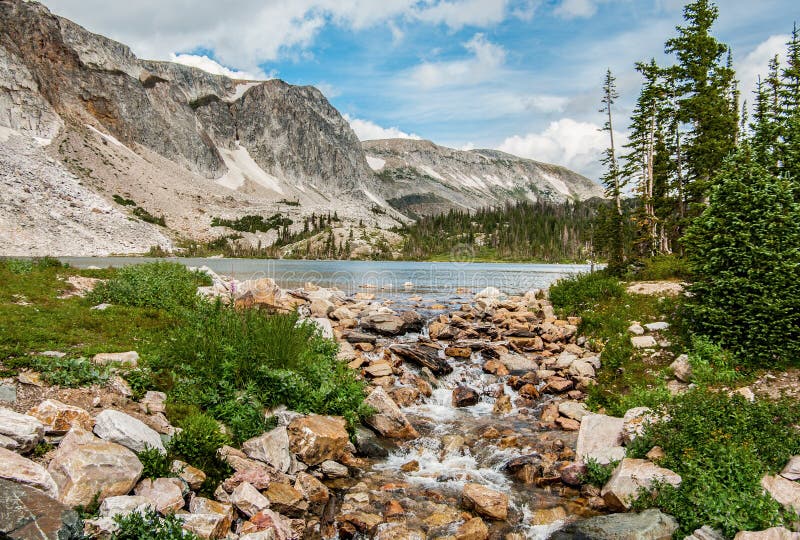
546	516
774	533
495	367
558	385
378	369
124	505
792	469
367	444
248	499
286	500
389	324
502	405
193	476
128	359
26	513
423	355
600	438
474	529
458	352
360	337
404	396
316	438
572	474
164	493
312	489
271	448
81	471
485	501
632	475
568	424
332	469
784	491
20	470
19	432
464	396
59	417
120	428
527	469
529	391
648	525
393	509
682	369
388	419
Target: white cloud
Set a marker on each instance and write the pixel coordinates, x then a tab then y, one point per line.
572	9
755	63
568	142
207	64
486	60
369	131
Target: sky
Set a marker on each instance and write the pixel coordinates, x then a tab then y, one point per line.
522	76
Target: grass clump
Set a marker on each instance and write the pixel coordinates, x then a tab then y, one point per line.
575	294
197	444
161	285
150	526
722	446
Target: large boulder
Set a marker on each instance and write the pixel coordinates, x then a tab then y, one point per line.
165	494
21	470
99	467
316	438
784	491
423	355
271	448
631	476
792	469
600	438
651	524
120	428
391	324
388	419
775	533
19	432
59	417
485	501
27	513
464	396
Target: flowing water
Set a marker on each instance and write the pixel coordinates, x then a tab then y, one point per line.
452	449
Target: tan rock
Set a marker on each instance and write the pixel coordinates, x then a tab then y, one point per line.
485	501
24	471
388	419
59	417
600	438
271	448
792	469
129	359
101	467
201	505
458	352
312	489
193	476
248	499
784	491
317	438
629	477
502	405
285	499
546	516
474	529
165	495
124	505
19	432
775	533
206	526
378	369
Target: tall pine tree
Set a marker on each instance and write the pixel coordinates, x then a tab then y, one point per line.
613	179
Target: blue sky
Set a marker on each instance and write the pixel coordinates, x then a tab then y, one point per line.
519	75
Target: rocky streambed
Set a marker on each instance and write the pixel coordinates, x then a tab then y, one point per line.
478	431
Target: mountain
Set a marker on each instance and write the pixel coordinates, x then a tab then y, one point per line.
102	152
420	178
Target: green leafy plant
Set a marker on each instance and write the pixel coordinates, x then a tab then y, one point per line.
711	364
598	474
155	464
150	526
70	372
158	285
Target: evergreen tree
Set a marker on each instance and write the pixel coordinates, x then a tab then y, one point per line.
613	179
704	87
790	109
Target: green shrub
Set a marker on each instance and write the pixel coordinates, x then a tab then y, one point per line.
197	444
722	446
70	372
146	216
253	224
150	526
162	285
662	267
574	294
26	266
744	251
711	364
155	464
598	474
122	201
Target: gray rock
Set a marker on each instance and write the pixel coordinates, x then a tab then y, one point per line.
631	476
118	427
643	342
332	469
705	533
129	359
636	329
8	392
774	533
792	469
28	514
651	524
24	431
124	505
573	409
682	369
16	468
271	448
600	438
657	326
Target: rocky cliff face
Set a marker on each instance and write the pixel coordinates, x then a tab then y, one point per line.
174	141
422	178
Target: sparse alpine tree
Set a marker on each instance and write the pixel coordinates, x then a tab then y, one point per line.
613	179
704	104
